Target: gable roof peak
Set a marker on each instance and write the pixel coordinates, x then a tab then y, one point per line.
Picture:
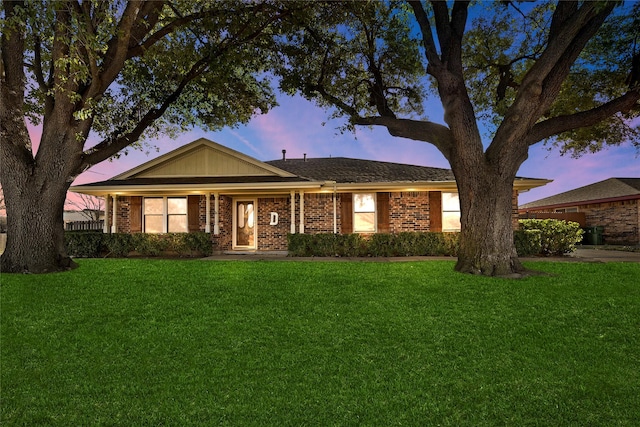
202	157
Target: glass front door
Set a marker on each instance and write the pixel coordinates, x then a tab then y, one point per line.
244	230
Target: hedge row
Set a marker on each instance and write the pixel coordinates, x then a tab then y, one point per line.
393	245
96	244
536	236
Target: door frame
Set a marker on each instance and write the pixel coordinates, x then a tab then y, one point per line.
234	223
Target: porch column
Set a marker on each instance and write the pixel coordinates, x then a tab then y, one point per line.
335	212
207	227
293	212
216	215
301	227
114	205
105	226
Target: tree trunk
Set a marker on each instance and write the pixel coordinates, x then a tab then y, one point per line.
486	236
35	192
35	229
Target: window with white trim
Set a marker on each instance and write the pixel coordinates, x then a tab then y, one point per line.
450	212
364	212
165	215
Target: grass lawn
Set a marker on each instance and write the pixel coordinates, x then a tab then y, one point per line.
165	342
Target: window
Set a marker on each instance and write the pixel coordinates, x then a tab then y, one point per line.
450	212
177	215
165	215
364	212
153	214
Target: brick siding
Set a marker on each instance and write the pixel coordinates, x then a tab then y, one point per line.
273	237
409	211
621	220
318	213
223	241
123	222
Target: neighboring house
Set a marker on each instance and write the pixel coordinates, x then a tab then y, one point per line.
613	204
251	205
83	215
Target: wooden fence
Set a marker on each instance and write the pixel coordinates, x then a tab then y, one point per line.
578	217
84	225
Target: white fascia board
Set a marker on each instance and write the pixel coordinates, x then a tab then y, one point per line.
194	188
397	186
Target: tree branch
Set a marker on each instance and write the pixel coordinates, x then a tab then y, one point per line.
14	138
559	124
542	83
119	44
111	146
427	36
438	135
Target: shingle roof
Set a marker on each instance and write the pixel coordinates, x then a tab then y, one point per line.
346	170
612	188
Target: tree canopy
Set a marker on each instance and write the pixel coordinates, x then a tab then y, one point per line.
379	62
120	71
123	70
508	75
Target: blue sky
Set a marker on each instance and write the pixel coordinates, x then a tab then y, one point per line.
296	125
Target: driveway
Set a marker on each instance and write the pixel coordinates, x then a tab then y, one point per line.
605	255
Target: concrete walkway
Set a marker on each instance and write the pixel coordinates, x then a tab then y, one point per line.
580	255
595	254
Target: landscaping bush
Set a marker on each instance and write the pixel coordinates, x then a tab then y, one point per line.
121	245
83	244
199	243
117	244
380	244
528	242
149	244
557	237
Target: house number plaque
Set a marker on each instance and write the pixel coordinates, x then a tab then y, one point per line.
274	218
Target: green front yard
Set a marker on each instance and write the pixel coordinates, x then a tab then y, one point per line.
164	342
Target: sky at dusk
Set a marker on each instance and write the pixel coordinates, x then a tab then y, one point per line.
296	125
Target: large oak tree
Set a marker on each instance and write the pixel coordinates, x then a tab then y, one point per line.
566	73
116	71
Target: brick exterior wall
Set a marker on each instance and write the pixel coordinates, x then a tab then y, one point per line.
621	220
123	223
515	216
409	211
223	241
318	213
273	237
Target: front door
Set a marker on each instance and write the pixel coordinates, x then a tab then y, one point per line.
244	224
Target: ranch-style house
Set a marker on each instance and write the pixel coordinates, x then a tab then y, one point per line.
250	205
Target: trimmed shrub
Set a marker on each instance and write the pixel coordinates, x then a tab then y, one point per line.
83	244
120	245
557	237
528	242
117	244
199	242
380	245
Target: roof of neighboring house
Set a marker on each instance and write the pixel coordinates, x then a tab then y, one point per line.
608	190
346	170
